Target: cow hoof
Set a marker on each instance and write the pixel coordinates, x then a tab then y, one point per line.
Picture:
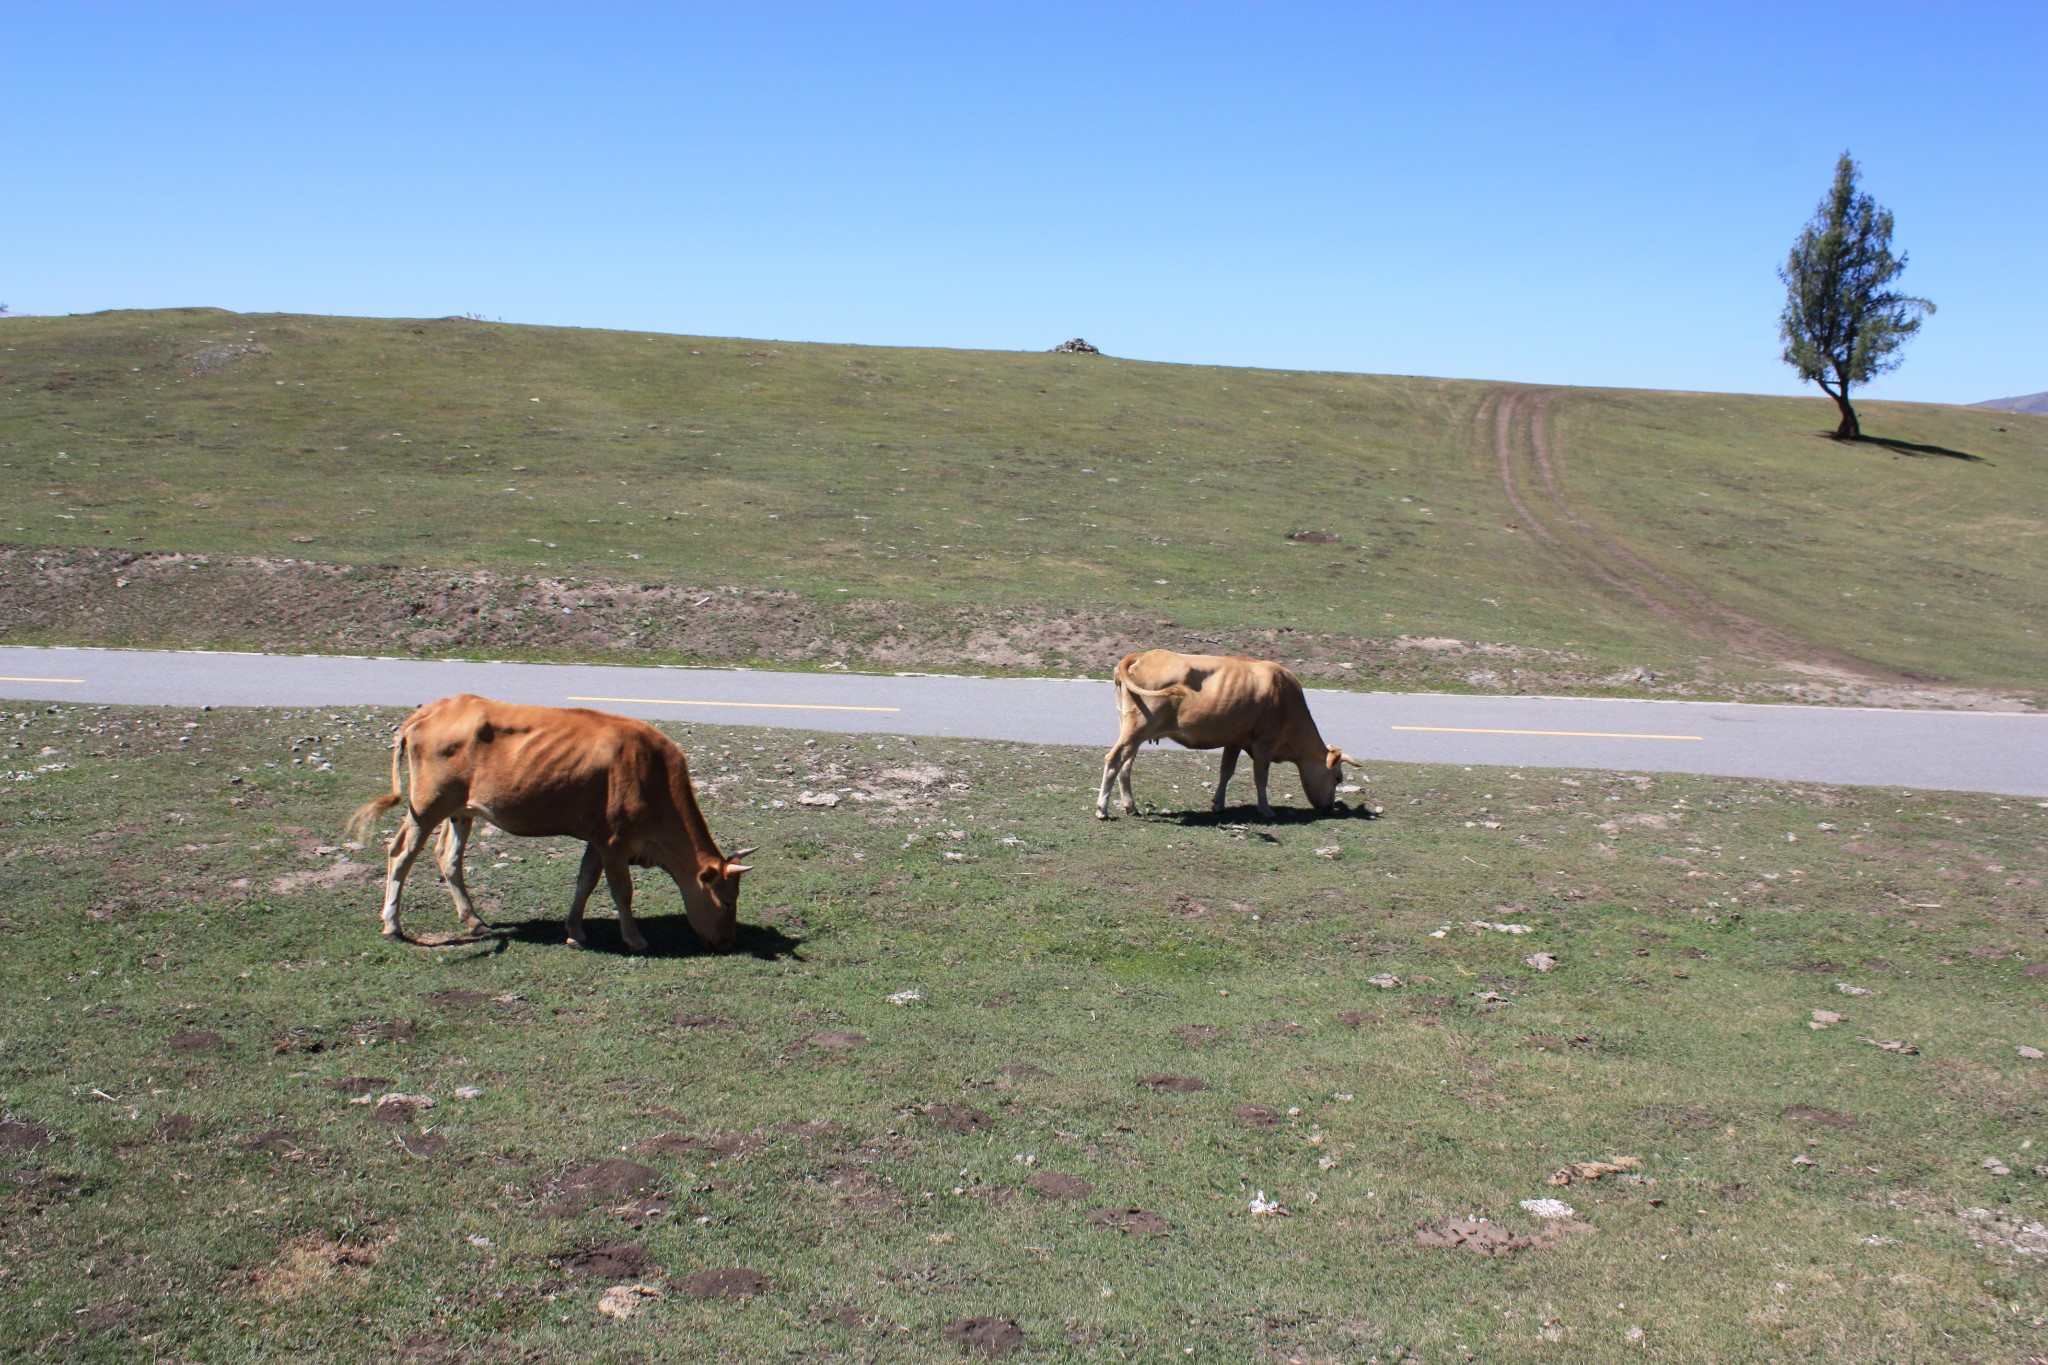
637	948
574	942
1101	814
395	935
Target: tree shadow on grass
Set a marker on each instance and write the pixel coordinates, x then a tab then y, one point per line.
668	936
1915	448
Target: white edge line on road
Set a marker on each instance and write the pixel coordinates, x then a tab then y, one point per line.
44	680
1562	734
751	705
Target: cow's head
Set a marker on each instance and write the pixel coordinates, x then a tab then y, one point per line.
715	910
1319	780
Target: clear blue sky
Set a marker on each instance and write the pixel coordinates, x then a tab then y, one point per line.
1581	194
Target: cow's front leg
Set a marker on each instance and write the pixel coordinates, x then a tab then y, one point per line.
1230	753
404	847
618	874
586	882
454	840
1260	768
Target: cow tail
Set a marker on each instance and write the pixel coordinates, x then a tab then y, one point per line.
367	813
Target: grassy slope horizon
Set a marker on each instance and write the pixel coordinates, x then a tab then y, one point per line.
935	480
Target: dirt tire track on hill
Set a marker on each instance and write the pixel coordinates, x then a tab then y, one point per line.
1512	426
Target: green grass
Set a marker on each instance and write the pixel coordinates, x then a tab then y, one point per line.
163	879
931	483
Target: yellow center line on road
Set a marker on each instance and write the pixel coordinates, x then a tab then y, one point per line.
1563	734
51	680
753	705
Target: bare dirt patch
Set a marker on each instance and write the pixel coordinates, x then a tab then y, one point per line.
1263	1117
310	1262
735	1282
357	1085
1131	1222
833	1040
694	1020
1827	1118
609	1261
713	1147
324	878
423	1145
1023	1071
1173	1085
1054	1185
196	1040
613	1182
456	998
1194	1035
993	1337
958	1118
18	1136
175	1128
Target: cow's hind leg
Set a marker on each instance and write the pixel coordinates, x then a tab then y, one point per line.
454	839
1117	764
404	847
1230	753
586	882
618	873
1260	768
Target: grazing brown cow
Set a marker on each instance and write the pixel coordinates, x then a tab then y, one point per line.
619	785
1211	701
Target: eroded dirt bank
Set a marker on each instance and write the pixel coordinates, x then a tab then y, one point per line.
137	599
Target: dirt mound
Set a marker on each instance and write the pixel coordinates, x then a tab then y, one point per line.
1054	1185
18	1136
734	1283
958	1118
592	1184
1131	1222
610	1261
197	1040
716	1147
985	1336
1175	1085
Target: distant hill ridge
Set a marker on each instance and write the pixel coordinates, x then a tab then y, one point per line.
2033	402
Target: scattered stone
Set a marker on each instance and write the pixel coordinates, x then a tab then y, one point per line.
1177	1085
1386	981
1847	989
399	1108
1592	1170
1472	1234
1131	1222
1891	1045
1075	346
1549	1208
2032	1054
1804	1160
992	1337
1542	962
1995	1166
1824	1019
626	1300
1262	1207
826	799
909	997
468	1092
1054	1185
734	1283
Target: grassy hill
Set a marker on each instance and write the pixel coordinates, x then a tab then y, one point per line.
453	485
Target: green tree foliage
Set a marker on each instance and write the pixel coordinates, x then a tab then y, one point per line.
1841	324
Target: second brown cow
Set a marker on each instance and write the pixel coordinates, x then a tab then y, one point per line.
1219	701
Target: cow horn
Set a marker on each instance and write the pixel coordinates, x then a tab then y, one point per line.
734	869
741	853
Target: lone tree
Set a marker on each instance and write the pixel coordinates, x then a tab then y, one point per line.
1841	324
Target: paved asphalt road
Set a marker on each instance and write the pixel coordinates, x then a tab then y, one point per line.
1997	752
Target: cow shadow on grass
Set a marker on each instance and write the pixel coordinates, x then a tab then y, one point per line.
668	936
1284	817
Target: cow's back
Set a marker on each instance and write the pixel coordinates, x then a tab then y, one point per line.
541	770
1227	699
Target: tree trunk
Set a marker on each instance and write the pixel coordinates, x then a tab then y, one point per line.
1850	429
